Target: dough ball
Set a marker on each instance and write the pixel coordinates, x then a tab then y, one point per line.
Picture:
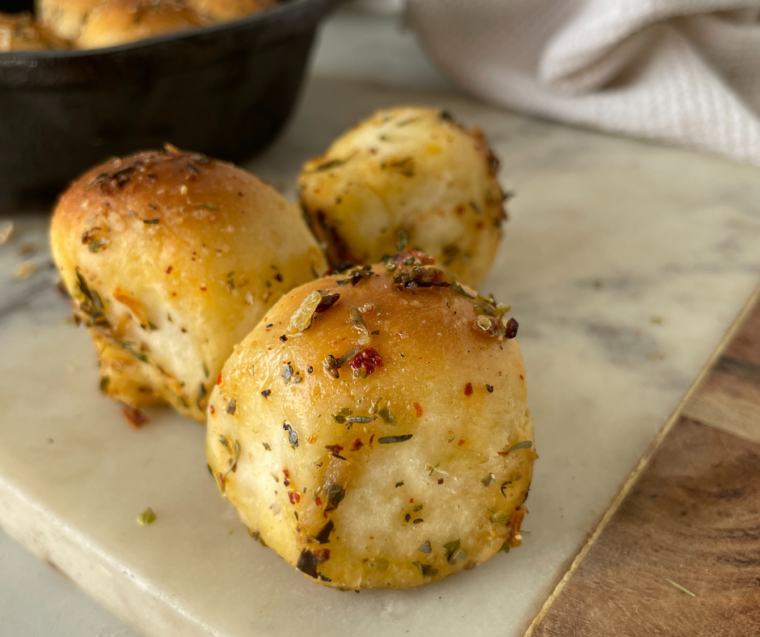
411	173
172	258
373	428
120	21
19	32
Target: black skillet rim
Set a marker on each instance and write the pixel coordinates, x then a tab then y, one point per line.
286	18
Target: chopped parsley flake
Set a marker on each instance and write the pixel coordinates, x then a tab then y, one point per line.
146	517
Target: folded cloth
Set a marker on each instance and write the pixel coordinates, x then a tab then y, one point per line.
680	71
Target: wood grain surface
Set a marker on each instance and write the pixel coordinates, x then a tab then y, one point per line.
730	396
691	521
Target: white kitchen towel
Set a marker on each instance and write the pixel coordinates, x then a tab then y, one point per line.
680	71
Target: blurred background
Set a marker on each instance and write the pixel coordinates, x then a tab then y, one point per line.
81	81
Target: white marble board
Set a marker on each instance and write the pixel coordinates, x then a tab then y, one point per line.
625	264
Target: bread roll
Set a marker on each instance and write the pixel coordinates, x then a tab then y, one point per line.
412	171
19	32
373	428
65	18
221	10
117	22
171	259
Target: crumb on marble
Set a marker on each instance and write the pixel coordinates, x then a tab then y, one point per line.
24	270
26	249
134	417
6	232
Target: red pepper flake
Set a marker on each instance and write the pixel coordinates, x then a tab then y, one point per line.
174	294
418	409
460	443
294	497
134	417
311	439
468	389
322	555
371	438
358	444
219	379
440	480
211	409
222	482
203	288
318	501
411	500
169	269
367	360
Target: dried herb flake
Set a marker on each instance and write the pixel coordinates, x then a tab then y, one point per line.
403	239
146	517
449	549
234	461
292	434
301	319
388	440
523	444
426	570
386	415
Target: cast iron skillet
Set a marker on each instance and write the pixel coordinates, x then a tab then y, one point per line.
225	90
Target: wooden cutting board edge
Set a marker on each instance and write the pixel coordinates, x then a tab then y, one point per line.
637	471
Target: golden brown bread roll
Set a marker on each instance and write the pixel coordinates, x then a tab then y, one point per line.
65	18
171	259
409	170
19	32
374	431
221	10
120	21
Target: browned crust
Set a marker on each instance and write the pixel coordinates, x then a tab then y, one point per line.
20	32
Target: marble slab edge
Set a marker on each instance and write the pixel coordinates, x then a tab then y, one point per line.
706	416
75	556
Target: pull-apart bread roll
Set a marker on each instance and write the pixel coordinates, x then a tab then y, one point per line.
221	10
373	428
117	22
171	259
19	32
65	18
409	170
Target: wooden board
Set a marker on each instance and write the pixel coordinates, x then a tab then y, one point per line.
691	520
730	396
